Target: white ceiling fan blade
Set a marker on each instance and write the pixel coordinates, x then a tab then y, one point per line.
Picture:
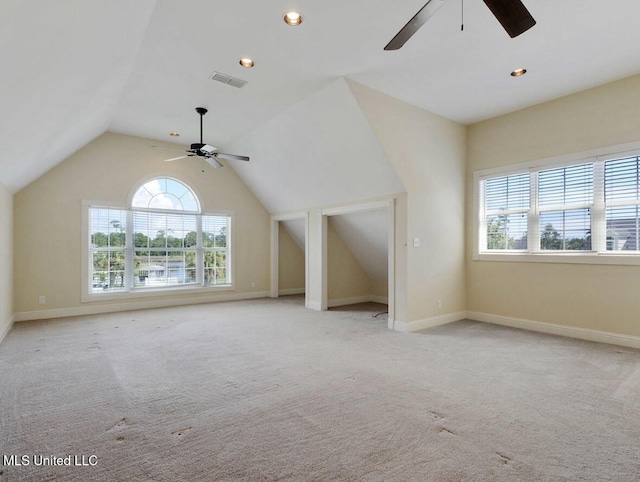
234	157
214	162
176	158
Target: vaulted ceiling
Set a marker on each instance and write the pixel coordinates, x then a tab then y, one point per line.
72	69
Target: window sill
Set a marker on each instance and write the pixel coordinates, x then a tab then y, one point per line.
153	292
564	257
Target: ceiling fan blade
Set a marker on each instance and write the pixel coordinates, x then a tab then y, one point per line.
412	26
234	157
214	162
177	158
512	15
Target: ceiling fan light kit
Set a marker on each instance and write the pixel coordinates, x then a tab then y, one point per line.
207	149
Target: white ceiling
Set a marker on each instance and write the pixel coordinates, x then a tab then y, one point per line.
72	69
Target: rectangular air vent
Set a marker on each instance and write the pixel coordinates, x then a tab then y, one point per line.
227	79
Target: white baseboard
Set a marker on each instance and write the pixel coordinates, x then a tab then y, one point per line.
94	309
379	299
291	291
417	325
530	325
357	299
348	301
314	305
7	328
561	330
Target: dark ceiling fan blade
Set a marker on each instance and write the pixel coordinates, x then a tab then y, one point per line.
234	157
412	26
214	162
177	158
512	15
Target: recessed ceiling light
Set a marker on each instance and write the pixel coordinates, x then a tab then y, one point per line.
246	62
174	134
518	72
292	18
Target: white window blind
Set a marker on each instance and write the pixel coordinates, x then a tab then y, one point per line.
215	231
160	243
589	210
507	202
622	203
565	200
107	249
168	256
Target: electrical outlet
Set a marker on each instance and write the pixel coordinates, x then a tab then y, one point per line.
439	305
42	299
253	284
416	242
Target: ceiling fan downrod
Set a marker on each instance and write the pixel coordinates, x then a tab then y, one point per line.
202	111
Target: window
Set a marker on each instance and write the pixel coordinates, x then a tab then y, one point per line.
162	242
589	208
565	200
108	248
506	211
622	201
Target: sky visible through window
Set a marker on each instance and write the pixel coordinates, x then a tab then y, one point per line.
165	193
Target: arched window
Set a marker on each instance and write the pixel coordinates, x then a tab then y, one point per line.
167	194
163	241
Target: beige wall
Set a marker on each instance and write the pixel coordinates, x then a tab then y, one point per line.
594	297
48	218
291	275
6	260
428	154
345	276
379	288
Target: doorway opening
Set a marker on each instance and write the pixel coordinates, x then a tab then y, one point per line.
289	258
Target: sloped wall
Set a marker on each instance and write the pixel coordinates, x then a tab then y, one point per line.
366	235
428	154
48	220
320	152
6	260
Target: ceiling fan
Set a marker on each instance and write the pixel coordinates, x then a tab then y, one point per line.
207	152
512	14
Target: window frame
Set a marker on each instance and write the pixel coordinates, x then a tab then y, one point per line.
598	254
132	292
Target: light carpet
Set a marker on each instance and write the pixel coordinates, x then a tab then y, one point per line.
268	390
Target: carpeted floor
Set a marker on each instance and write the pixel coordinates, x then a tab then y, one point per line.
267	390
